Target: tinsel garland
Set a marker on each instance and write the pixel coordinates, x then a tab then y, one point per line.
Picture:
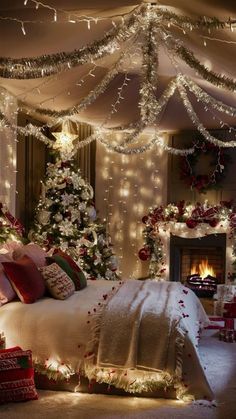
203	96
195	120
147	22
89	99
175	46
82	105
46	65
148	86
185	22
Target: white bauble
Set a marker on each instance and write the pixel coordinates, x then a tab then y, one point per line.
85	195
43	217
82	206
91	213
58	217
113	263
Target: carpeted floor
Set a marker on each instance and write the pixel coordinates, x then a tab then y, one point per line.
218	357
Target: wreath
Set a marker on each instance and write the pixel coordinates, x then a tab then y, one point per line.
203	182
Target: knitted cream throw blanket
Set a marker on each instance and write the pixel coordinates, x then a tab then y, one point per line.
139	338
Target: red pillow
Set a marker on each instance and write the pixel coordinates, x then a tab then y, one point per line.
25	278
16	376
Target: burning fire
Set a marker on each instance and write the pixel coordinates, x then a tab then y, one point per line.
203	269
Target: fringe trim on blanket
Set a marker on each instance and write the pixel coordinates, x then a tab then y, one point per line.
53	370
181	391
132	381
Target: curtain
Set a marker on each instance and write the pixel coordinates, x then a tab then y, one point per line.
126	187
8	153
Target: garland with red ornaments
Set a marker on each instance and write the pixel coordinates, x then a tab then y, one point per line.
192	216
204	182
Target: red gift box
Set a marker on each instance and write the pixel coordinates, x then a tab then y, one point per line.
229	309
16	376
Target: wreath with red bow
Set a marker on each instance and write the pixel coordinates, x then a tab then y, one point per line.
203	182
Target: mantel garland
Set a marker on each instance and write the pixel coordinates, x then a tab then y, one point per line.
204	182
192	216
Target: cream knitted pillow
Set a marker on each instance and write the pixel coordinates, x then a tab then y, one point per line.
58	283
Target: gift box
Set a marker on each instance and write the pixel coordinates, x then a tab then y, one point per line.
16	376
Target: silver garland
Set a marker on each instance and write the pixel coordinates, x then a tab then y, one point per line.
88	100
147	91
176	47
195	120
204	97
46	65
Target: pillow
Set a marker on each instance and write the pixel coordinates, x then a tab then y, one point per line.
57	281
33	251
10	246
7	293
5	258
16	376
26	279
70	267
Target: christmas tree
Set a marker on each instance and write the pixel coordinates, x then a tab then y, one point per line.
66	218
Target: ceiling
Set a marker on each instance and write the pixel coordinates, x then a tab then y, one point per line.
44	36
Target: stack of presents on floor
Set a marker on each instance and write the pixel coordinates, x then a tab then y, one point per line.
225	312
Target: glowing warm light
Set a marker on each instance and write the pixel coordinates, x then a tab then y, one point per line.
203	269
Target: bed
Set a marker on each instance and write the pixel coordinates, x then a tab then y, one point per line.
138	336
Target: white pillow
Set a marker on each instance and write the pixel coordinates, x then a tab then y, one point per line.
58	283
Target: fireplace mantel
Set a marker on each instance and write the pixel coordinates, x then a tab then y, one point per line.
201	230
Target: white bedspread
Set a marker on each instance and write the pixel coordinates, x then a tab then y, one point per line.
146	331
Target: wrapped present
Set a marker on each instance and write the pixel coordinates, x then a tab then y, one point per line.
229	309
16	376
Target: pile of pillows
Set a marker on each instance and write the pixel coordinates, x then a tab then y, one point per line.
28	273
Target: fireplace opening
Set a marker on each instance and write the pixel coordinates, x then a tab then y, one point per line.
201	258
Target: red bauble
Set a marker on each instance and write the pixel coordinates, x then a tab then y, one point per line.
191	223
144	253
213	223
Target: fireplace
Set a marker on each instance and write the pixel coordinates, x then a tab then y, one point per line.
188	256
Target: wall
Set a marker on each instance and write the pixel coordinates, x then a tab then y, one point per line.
8	153
126	186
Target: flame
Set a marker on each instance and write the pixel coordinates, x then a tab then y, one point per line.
203	269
